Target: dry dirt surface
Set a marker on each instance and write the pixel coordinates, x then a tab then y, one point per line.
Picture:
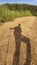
26	54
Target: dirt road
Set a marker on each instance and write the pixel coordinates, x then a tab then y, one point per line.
28	49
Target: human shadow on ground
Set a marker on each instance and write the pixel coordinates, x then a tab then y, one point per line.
18	39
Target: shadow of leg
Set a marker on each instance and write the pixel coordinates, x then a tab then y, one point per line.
28	54
17	52
28	45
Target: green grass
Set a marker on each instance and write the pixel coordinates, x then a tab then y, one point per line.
10	11
9	15
27	13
